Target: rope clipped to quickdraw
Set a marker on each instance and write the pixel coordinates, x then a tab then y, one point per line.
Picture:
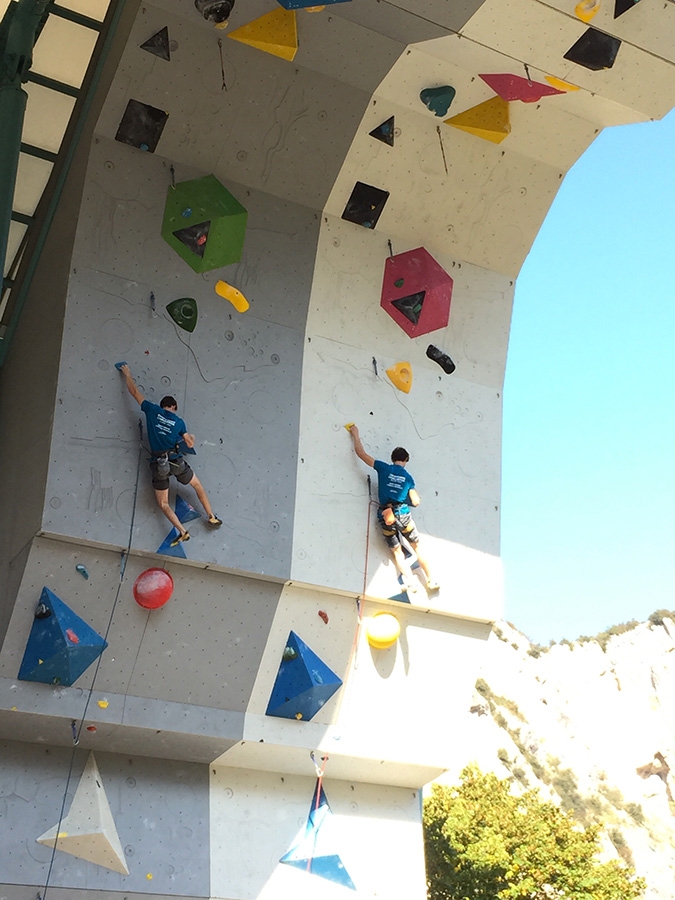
319	769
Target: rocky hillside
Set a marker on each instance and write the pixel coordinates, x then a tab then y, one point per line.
592	724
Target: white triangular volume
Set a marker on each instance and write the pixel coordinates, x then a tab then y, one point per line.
88	831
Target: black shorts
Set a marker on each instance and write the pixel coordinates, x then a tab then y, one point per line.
177	467
403	525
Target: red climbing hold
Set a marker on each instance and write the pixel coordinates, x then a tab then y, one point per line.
323	615
153	588
72	637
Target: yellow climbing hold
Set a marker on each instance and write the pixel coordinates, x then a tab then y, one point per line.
382	630
276	32
298	716
489	120
62	834
559	84
236	298
350	425
400	376
103	704
149	876
314	8
586	9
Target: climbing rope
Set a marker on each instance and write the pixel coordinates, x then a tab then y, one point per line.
319	769
77	730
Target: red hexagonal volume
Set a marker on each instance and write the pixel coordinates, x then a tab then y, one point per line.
416	292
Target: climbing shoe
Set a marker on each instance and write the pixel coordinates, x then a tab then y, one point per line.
410	587
215	521
180	539
433	586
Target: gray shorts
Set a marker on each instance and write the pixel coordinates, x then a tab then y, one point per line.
177	467
403	525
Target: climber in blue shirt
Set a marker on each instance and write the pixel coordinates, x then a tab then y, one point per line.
165	432
396	494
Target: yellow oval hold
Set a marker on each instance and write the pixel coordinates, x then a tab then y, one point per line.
586	9
382	630
228	292
400	376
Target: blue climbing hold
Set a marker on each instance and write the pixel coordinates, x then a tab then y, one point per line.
315	852
304	683
61	646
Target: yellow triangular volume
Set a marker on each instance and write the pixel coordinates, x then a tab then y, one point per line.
88	831
489	120
400	376
275	32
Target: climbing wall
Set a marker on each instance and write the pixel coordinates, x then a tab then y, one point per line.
303	220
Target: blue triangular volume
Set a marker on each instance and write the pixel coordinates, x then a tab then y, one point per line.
185	450
303	683
402	598
184	511
166	548
314	853
61	646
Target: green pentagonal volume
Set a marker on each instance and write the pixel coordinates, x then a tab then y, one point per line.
204	223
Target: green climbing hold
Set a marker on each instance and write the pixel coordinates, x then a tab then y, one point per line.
438	99
289	653
399	282
204	223
184	313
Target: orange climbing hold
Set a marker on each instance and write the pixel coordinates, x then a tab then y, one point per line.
489	120
401	376
276	32
586	9
236	298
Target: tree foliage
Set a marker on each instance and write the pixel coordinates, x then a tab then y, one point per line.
484	843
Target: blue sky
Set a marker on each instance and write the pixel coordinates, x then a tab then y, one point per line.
588	503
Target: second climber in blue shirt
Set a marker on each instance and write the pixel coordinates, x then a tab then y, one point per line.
396	489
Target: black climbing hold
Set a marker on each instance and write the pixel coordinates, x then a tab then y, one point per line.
194	237
384	132
141	126
365	205
441	358
158	44
216	11
410	306
594	50
622	6
184	313
42	611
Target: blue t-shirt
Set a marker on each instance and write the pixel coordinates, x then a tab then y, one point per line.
165	428
393	482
